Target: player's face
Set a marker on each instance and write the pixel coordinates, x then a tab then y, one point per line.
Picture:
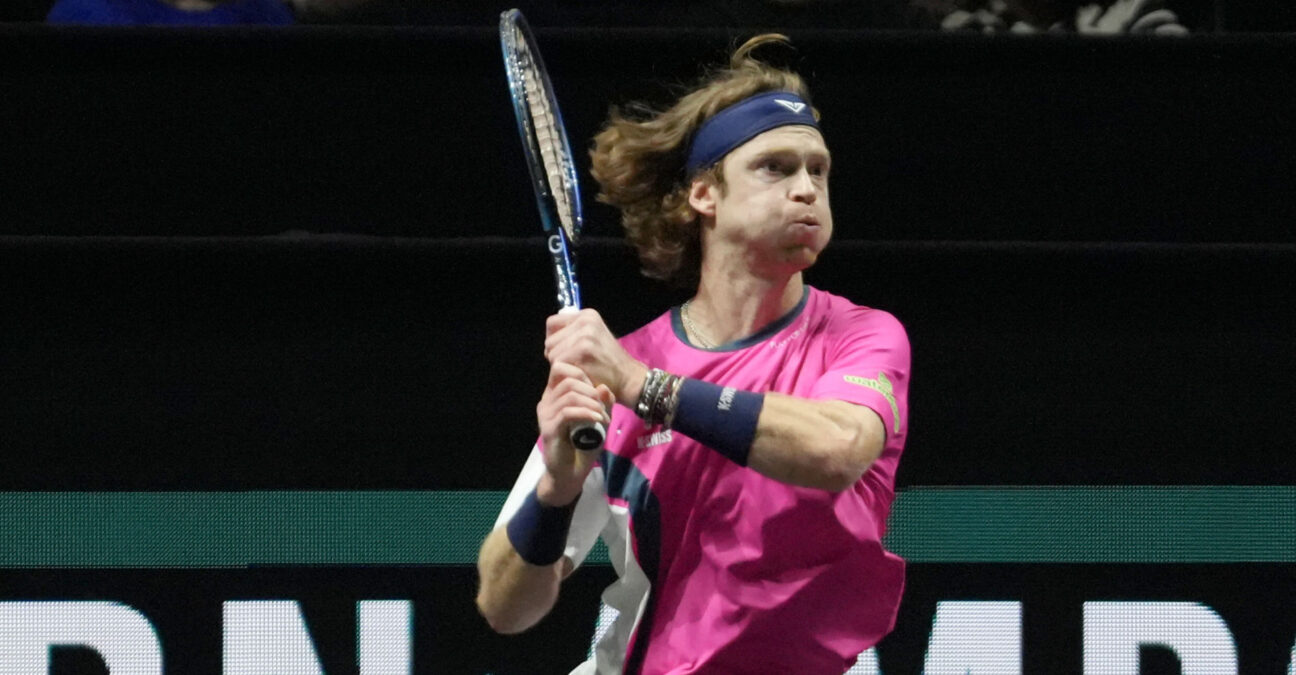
773	209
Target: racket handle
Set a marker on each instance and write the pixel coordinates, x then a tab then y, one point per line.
588	436
585	435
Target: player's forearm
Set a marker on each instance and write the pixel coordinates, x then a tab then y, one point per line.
819	444
514	594
810	443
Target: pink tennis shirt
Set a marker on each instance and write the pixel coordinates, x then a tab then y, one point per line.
720	569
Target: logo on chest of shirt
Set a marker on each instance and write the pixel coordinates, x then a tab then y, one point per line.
883	386
661	437
801	329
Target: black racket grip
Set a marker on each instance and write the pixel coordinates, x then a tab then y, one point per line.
588	436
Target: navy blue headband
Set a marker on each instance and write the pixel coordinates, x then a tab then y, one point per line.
742	122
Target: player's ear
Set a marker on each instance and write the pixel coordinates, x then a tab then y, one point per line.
702	196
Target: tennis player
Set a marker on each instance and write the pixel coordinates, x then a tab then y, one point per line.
753	432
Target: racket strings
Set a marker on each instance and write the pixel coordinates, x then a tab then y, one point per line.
549	140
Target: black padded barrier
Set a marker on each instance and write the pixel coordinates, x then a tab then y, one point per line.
408	132
360	363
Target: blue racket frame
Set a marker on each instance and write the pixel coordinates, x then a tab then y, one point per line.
588	436
560	244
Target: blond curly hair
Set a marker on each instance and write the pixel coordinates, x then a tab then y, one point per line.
639	157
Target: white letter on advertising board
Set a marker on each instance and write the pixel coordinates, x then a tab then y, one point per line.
975	638
1113	632
384	641
267	637
120	635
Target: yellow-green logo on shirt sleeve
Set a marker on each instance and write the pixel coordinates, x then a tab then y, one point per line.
883	386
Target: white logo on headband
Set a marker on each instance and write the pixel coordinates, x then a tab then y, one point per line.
791	105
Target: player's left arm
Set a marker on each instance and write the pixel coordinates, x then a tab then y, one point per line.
826	444
857	408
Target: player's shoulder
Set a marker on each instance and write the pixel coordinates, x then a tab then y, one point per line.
843	316
654	333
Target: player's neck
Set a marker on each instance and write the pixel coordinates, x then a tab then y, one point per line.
731	307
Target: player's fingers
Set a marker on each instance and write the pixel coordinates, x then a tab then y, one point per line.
580	342
572	385
558	343
555	327
557	408
550	345
570	393
561	370
586	317
572	347
561	320
566	394
571	408
604	394
580	413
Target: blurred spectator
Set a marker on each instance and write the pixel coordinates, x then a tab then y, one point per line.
192	12
1109	17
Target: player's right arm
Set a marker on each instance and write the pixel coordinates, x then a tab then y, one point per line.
514	594
519	581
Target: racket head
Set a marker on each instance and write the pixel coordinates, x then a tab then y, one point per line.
540	126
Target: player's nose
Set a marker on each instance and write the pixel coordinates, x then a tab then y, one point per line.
803	187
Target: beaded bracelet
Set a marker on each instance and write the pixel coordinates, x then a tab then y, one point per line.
721	418
651	389
659	397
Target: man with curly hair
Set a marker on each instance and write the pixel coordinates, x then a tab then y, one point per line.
753	432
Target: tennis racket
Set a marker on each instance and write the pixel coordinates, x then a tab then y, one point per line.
553	173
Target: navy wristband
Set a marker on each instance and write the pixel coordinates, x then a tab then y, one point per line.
721	418
538	532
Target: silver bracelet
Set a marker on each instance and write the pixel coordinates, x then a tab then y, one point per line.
670	401
651	390
659	398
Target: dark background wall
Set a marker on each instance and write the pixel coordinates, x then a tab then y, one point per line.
306	259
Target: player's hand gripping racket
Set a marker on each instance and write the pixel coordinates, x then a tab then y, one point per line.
553	173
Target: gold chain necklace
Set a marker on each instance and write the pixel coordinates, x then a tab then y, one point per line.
692	327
